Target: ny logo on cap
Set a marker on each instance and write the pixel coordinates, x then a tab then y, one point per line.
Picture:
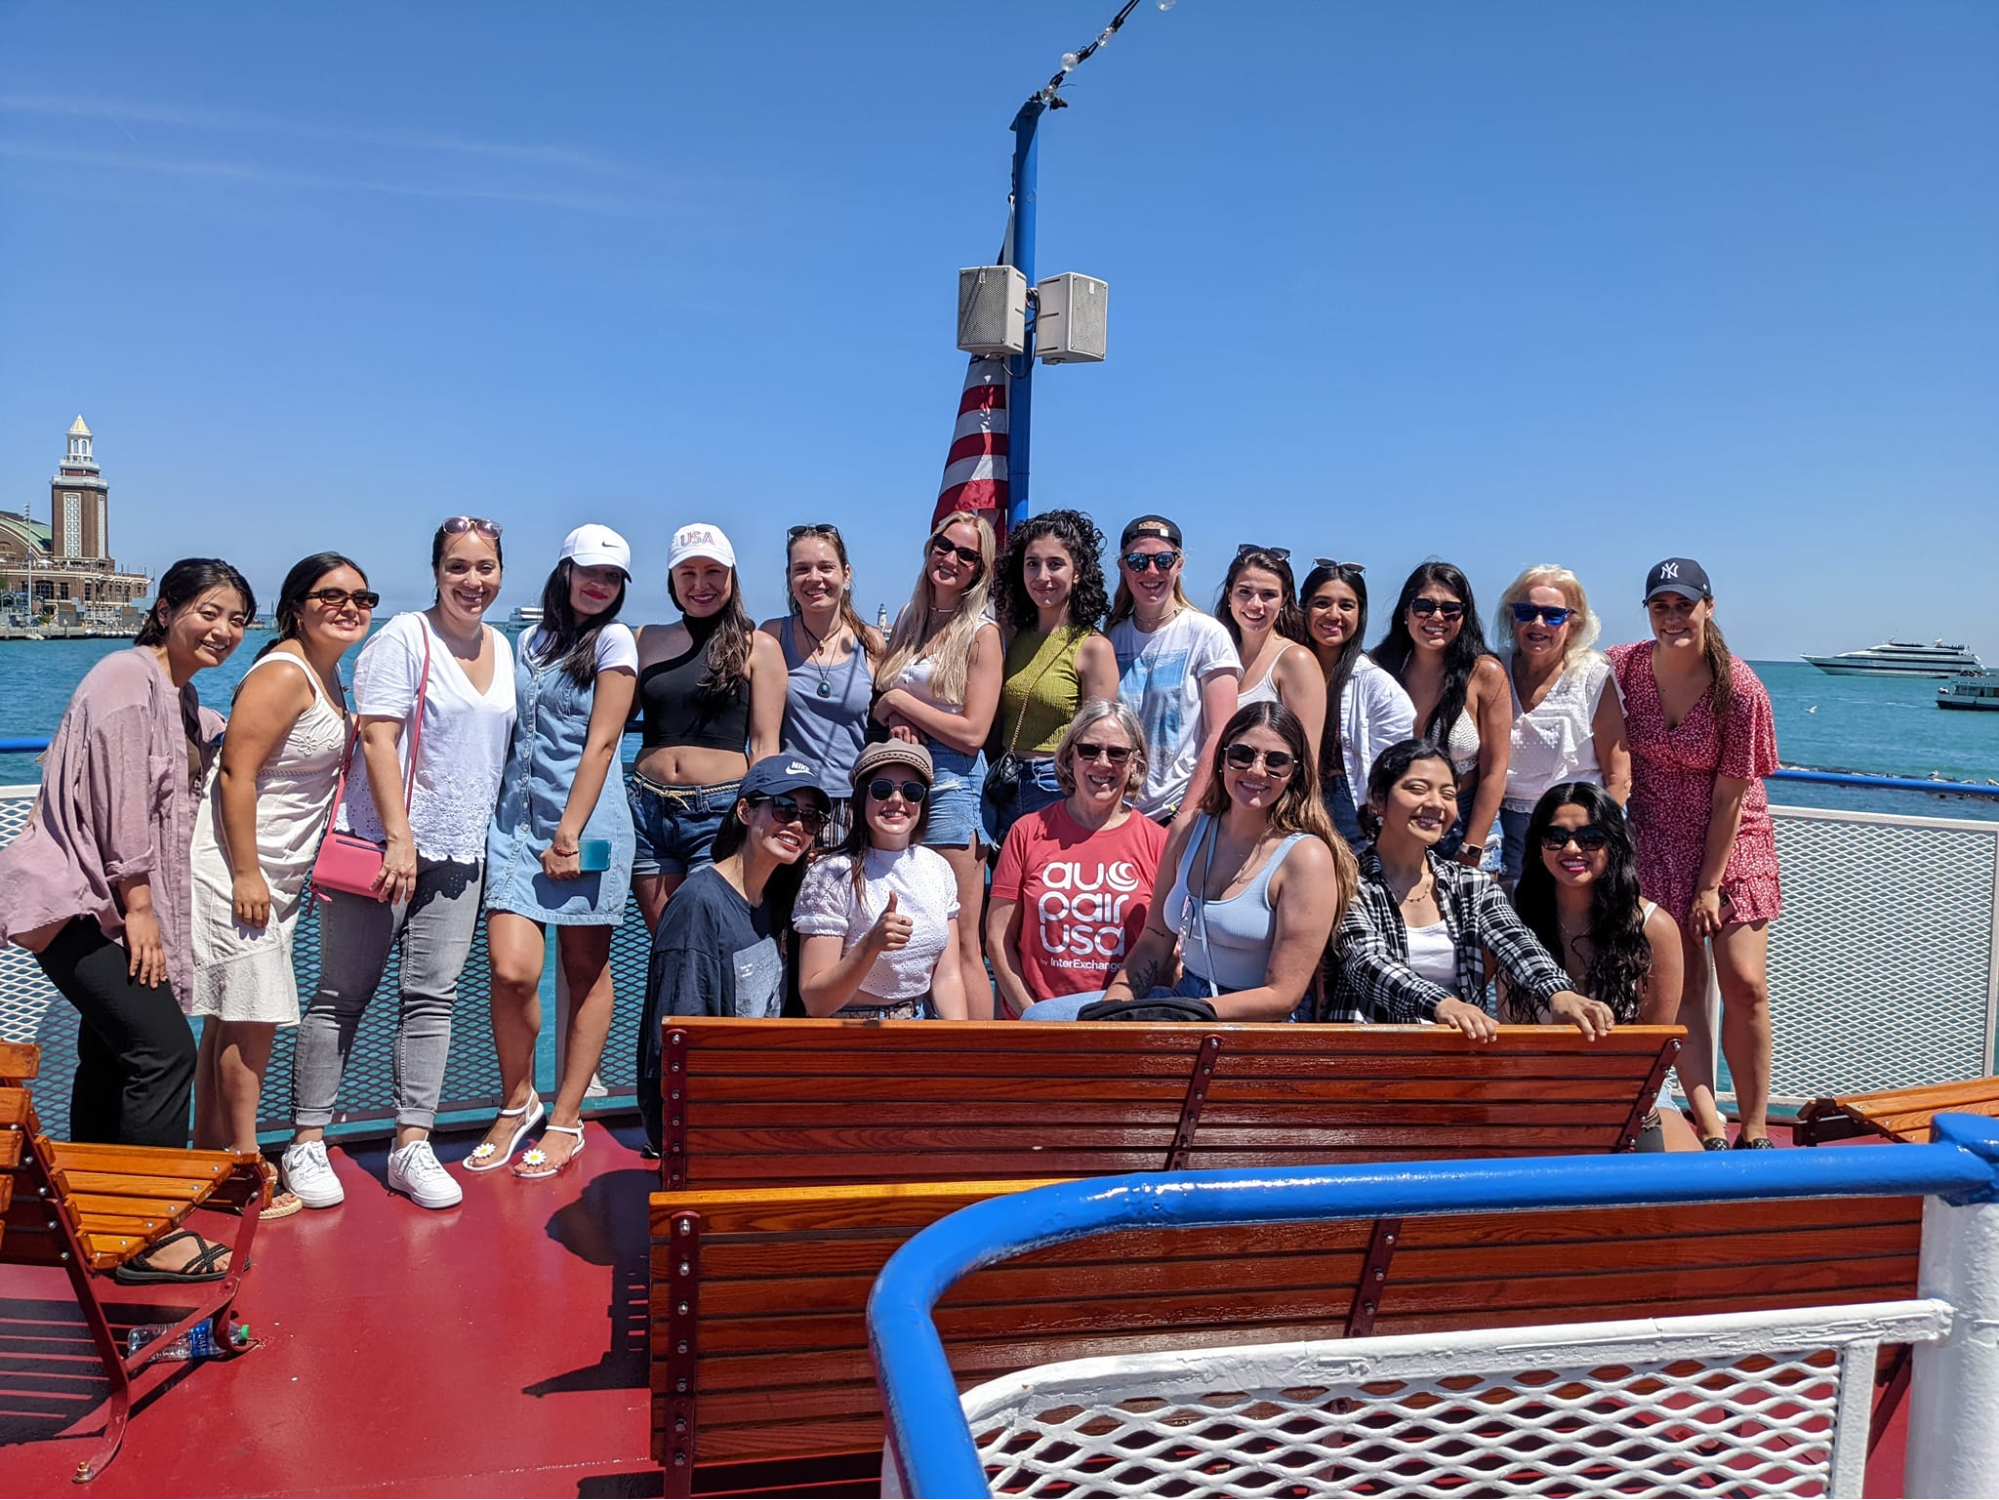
1669	570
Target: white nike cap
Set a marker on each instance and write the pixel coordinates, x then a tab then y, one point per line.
596	546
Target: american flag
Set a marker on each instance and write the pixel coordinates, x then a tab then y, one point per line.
975	468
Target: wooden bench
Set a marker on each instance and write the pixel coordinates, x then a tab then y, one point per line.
1896	1114
761	1376
764	1103
91	1209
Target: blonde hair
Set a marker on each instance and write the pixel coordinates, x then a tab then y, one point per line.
1124	603
1583	629
1091	713
951	648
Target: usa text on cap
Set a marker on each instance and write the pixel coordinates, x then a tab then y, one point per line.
700	539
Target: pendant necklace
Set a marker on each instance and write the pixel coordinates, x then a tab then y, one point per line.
825	681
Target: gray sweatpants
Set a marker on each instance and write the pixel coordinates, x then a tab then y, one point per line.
433	931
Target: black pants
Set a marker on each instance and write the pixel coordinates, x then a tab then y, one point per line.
134	1051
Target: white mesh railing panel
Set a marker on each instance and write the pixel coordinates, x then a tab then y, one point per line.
1740	1404
1881	967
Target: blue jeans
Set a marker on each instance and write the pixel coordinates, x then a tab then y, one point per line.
1036	789
1064	1007
1338	797
1513	848
674	827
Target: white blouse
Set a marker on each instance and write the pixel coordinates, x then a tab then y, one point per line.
1555	741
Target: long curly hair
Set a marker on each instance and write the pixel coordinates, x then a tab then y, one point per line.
1461	657
1620	955
951	647
1290	622
1089	600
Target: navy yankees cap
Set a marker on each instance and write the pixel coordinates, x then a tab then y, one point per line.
1678	575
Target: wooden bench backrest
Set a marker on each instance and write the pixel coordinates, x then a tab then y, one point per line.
19	1062
1898	1114
776	1357
775	1103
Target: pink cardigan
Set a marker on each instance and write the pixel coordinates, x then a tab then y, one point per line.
115	804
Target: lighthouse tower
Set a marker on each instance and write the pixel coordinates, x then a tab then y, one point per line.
79	503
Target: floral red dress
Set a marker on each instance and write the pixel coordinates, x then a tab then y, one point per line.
1673	771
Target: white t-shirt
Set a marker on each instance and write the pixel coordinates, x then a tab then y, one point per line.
926	891
616	647
1555	741
1160	675
465	735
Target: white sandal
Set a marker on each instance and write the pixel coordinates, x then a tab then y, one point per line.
535	1163
487	1157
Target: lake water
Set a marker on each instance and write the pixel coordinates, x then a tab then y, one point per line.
1883	725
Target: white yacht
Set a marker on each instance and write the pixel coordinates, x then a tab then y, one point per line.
1901	659
524	615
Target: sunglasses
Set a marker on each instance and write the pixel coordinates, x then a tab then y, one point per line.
1280	554
1117	755
913	792
816	528
334	598
790	810
459	525
1339	567
1276	762
970	555
1550	614
1589	838
1138	562
1425	607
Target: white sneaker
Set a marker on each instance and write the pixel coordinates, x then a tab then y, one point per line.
310	1177
416	1171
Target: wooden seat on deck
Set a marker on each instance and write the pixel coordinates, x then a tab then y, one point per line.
91	1209
762	1380
1897	1114
768	1103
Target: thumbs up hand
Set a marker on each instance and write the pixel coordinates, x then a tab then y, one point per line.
891	930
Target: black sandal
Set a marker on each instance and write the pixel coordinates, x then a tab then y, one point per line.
203	1266
1714	1143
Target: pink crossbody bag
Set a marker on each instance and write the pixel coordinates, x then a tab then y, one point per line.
346	861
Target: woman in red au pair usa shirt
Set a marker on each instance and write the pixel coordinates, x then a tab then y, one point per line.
1074	880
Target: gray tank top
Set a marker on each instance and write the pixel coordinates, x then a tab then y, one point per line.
826	710
1226	942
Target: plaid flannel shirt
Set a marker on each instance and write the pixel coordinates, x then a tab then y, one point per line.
1372	980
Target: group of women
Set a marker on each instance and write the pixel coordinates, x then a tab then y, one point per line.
813	810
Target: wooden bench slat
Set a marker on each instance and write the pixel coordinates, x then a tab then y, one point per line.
1932	1096
140	1161
20	1062
13	1145
125	1185
92	1206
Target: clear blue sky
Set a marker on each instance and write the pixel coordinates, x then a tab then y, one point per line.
1505	284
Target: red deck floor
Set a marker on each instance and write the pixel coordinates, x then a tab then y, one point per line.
494	1349
498	1348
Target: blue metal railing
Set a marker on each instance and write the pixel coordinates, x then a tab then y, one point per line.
927	1428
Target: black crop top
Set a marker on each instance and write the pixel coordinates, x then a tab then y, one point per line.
679	711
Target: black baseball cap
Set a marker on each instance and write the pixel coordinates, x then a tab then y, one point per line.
775	775
1157	526
1678	575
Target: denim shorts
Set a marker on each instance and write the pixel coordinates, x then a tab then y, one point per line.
957	783
675	826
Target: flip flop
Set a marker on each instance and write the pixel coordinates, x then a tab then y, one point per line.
136	1271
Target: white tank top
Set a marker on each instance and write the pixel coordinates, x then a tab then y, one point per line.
1434	956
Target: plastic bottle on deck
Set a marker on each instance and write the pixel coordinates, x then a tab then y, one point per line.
197	1343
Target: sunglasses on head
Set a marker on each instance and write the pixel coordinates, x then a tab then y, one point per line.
1553	615
913	792
788	809
1337	566
459	525
1138	562
1117	755
1281	554
335	598
1589	838
1424	607
1277	762
816	528
939	546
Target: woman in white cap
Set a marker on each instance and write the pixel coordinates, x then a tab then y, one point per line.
880	918
560	848
711	691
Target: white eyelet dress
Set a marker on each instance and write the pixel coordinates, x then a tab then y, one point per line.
245	973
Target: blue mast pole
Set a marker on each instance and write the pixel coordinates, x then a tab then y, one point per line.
1020	255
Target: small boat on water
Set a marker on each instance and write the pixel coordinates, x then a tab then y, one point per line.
1901	659
1971	692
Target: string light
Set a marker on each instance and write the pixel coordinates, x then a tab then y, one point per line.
1072	60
